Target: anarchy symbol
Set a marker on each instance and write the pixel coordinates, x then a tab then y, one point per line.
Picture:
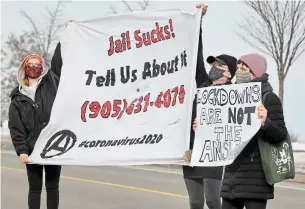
53	144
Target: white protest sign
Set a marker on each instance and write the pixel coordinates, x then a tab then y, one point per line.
227	121
126	91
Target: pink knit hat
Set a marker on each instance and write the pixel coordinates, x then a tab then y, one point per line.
256	63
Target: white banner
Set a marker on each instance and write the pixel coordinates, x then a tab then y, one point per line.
126	91
227	121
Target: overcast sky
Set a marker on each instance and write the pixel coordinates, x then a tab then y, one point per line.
219	34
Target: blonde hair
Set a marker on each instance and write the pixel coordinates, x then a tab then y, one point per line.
23	74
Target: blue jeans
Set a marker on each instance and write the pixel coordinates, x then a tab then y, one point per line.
200	189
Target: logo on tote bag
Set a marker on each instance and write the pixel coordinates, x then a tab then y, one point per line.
282	158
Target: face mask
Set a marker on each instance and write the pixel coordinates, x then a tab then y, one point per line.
216	73
33	72
242	77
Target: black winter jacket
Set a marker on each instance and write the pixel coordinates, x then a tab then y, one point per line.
245	177
202	80
26	117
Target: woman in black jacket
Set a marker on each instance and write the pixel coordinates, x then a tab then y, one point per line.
244	182
204	182
29	113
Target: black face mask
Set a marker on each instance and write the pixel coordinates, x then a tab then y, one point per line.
216	73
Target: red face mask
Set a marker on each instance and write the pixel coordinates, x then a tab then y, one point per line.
33	72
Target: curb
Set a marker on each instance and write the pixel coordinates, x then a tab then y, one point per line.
299	178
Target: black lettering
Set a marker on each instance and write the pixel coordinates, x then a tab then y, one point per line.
146	72
132	141
170	67
156	69
232	115
125	76
217	116
238	130
90	76
109	142
232	97
183	59
126	142
108	78
217	151
206	152
142	141
240	96
103	144
249	110
256	93
148	139
137	141
112	74
120	142
160	137
97	143
225	152
240	116
248	95
218	131
176	63
114	143
100	81
134	76
154	139
92	144
203	117
228	133
163	68
223	100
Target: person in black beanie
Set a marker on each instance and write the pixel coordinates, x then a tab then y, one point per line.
223	69
205	182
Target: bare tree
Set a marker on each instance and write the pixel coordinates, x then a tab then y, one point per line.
141	4
278	30
38	39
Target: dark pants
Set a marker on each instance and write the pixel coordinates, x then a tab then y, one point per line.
200	189
241	203
52	175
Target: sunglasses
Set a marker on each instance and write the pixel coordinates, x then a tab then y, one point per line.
31	65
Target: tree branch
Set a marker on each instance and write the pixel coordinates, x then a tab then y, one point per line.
128	7
143	4
278	30
37	33
113	10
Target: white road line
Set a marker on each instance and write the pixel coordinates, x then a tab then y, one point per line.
164	170
293	188
159	170
180	173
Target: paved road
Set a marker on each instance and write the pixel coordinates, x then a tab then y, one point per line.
120	188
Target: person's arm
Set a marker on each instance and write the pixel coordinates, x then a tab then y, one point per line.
17	131
202	78
194	113
56	62
274	128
